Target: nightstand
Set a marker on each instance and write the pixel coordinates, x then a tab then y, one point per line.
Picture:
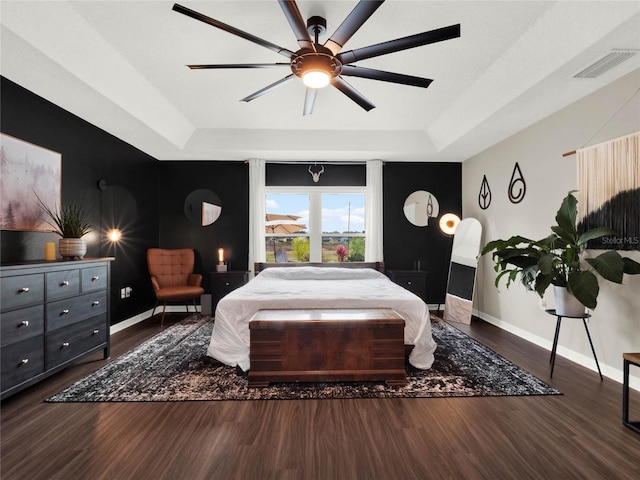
225	282
413	280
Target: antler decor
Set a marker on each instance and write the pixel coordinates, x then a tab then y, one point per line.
316	175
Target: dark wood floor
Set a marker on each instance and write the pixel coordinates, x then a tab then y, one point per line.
576	435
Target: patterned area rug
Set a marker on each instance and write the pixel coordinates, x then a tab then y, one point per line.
173	366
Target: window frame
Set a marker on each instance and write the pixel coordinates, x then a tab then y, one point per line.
314	229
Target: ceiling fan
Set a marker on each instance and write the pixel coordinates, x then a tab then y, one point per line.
320	65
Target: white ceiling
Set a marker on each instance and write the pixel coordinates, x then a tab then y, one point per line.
121	66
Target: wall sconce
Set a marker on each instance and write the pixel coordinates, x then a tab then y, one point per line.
114	235
221	266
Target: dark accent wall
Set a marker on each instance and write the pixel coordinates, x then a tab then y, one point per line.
145	199
404	243
89	154
230	181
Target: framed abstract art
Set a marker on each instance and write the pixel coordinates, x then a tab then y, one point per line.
27	170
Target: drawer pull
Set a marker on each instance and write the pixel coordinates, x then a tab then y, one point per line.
95	303
93	279
65	345
23	290
227	284
409	282
24	323
65	312
24	361
65	283
96	331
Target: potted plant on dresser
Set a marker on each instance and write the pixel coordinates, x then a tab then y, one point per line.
71	223
559	260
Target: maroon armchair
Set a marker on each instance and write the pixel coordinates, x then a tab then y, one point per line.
172	277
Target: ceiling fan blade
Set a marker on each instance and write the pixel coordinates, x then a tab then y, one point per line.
229	29
267	89
298	25
309	100
238	65
353	71
360	14
352	93
404	43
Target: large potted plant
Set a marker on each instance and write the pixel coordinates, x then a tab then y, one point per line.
71	223
558	260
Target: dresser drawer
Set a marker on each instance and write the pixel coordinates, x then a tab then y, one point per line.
20	324
94	278
69	342
22	361
65	312
62	284
21	290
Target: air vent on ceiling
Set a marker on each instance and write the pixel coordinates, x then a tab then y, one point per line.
606	63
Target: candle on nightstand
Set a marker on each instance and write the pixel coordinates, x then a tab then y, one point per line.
221	267
50	251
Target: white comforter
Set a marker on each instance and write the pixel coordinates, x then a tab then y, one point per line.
316	287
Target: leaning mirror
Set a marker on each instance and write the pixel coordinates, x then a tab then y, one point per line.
458	303
202	207
421	207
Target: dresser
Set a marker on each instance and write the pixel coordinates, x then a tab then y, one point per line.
225	282
51	314
413	280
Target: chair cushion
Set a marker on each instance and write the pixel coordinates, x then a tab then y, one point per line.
178	293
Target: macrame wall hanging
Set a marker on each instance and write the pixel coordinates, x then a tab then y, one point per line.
609	191
609	188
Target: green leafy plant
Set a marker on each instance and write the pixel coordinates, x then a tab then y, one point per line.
356	249
557	259
300	247
68	222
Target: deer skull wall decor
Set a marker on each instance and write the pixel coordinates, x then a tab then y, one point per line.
316	175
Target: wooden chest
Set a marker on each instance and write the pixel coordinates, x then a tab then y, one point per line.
320	345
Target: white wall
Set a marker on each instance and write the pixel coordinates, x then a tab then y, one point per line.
615	325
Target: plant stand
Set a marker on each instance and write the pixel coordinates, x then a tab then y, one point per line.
584	317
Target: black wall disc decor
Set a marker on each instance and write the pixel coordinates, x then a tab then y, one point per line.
484	196
517	180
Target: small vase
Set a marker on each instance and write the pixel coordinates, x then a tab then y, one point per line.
72	248
566	304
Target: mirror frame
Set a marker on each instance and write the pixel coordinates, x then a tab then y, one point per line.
420	207
202	207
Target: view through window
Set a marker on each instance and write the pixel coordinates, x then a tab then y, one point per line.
325	226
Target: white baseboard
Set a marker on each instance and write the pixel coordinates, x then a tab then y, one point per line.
118	327
587	361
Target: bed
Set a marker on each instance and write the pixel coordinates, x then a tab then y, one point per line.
312	287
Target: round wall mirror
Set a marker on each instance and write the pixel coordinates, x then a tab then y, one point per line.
421	207
202	207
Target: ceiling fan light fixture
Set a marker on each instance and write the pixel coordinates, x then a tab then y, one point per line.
316	67
316	78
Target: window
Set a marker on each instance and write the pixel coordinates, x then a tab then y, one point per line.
325	225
